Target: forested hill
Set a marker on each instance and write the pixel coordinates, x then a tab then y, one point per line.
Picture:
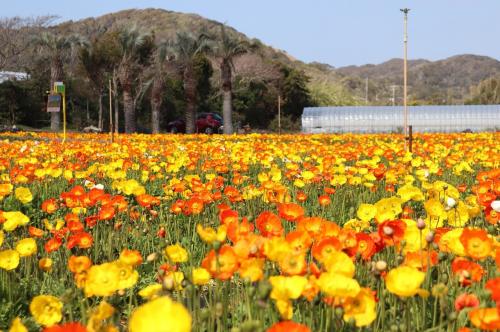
444	81
438	82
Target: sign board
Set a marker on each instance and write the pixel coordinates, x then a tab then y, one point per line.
59	87
54	103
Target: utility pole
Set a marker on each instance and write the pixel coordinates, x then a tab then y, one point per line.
366	91
393	87
405	74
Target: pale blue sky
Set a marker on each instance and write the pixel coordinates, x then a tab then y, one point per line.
338	32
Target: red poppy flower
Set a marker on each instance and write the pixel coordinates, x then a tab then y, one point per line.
392	232
68	327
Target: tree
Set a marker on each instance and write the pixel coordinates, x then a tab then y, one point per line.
15	38
294	91
162	63
227	49
57	47
487	92
97	63
186	48
135	48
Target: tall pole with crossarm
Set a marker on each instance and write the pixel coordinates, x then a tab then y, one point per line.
405	74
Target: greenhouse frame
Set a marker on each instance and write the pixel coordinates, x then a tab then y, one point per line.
385	119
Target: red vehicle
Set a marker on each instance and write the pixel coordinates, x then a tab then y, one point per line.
207	123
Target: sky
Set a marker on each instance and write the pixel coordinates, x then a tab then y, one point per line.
336	32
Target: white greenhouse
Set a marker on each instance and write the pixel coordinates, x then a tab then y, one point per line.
376	119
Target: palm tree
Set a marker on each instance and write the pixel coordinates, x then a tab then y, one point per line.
135	47
57	48
187	47
162	60
95	63
227	49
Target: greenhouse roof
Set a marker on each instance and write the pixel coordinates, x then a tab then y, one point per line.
435	118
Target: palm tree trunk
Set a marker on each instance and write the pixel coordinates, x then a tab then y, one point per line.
190	93
227	95
117	103
100	121
156	101
129	112
56	74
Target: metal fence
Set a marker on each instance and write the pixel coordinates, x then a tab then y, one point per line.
374	119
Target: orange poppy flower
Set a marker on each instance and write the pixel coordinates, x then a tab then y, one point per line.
476	243
221	265
53	244
293	264
288	326
493	285
177	207
106	212
420	260
466	271
50	205
193	206
314	226
492	216
131	257
119	202
290	211
82	240
365	246
466	301
78	264
228	216
147	201
485	318
301	196
35	232
299	241
237	230
269	224
325	247
324	200
91	221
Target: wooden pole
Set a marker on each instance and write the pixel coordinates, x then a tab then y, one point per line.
111	113
410	137
405	74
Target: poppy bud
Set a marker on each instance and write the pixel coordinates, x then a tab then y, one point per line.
429	237
381	266
420	223
219	309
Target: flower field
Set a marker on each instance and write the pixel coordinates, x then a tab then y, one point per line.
249	233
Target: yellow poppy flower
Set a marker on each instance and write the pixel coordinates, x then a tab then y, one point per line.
26	247
46	310
160	315
176	253
9	259
23	194
404	281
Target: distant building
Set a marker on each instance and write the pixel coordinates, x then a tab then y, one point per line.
377	119
12	76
